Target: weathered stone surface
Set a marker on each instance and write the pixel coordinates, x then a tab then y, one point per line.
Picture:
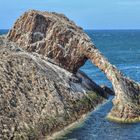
52	35
37	97
58	38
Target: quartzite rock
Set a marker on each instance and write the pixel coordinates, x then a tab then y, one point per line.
37	97
58	38
52	35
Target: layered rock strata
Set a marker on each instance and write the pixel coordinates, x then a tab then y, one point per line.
55	36
37	97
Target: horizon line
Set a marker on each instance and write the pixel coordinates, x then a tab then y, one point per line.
99	29
113	29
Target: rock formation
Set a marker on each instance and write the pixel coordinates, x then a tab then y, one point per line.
55	36
52	35
127	92
37	97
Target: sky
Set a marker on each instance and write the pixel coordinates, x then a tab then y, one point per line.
89	14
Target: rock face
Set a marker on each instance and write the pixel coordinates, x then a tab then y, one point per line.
127	92
56	37
52	35
38	97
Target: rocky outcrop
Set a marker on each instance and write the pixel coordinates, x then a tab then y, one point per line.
58	38
37	97
52	35
127	92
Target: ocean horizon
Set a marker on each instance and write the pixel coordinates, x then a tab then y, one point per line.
70	70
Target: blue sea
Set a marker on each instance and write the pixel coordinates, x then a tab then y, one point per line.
3	31
122	48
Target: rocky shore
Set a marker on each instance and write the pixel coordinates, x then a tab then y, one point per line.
37	96
42	89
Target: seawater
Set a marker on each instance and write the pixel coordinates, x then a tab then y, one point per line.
122	48
3	31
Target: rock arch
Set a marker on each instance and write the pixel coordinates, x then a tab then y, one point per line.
127	92
66	44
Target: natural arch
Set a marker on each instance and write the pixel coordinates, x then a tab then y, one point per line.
66	44
127	92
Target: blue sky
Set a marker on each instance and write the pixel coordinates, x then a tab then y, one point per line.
90	14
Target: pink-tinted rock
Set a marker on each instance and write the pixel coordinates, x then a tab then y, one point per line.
52	35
